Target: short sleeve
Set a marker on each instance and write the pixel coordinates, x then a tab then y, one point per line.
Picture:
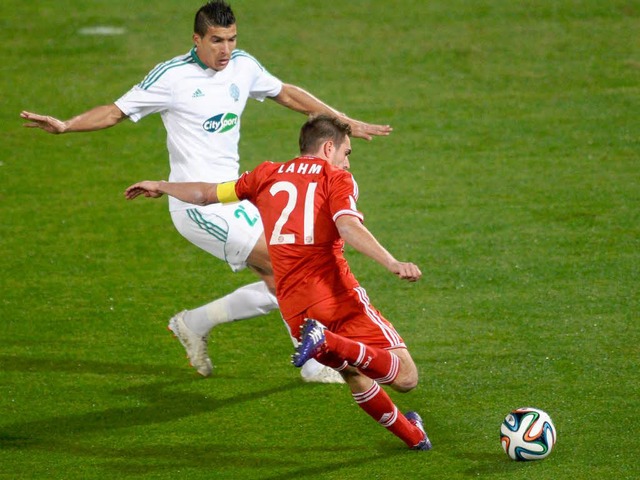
241	186
146	98
249	184
264	84
344	195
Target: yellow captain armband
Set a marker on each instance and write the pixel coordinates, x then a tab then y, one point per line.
227	192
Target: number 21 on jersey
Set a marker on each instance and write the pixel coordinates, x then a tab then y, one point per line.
279	238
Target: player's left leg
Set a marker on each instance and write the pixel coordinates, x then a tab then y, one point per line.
359	364
377	404
234	234
192	327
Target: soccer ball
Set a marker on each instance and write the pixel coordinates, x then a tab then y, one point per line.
527	434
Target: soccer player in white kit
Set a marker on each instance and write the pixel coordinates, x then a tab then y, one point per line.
200	97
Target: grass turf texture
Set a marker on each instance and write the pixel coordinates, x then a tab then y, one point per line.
512	179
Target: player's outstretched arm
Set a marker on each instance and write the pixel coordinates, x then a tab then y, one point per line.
300	100
359	237
198	193
97	118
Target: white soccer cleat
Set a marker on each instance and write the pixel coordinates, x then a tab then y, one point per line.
194	344
314	372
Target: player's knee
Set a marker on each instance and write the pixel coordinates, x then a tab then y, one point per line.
407	378
405	381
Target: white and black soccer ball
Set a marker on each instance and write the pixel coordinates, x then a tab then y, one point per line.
527	434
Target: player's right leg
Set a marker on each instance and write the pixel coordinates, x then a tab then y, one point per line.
359	336
391	365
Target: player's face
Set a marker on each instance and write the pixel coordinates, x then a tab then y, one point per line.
340	156
215	47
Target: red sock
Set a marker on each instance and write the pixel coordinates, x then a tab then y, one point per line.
379	406
332	360
376	363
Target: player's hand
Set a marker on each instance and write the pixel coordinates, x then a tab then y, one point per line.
367	130
44	122
147	188
406	271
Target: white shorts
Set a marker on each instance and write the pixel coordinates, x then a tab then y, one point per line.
228	231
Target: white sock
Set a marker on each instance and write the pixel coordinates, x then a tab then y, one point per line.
311	368
246	302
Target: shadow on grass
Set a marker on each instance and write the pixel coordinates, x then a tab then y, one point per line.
12	363
276	462
320	469
162	402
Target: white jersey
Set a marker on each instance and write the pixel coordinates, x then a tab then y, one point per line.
201	110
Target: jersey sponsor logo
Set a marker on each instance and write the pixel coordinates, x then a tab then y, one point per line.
220	123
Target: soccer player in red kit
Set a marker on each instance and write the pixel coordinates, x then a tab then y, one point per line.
308	208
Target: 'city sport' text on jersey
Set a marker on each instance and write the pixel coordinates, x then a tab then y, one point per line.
220	123
301	168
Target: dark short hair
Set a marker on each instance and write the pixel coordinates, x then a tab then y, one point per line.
216	13
320	129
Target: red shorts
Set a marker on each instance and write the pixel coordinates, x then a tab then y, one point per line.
352	316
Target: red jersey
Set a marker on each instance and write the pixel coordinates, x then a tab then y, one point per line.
299	202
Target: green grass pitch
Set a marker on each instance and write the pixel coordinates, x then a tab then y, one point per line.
512	178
